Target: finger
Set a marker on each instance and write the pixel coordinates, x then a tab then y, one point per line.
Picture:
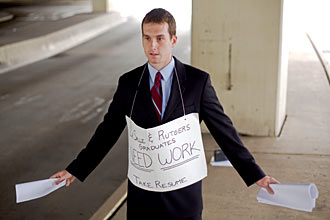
72	179
68	182
274	181
56	175
269	190
59	180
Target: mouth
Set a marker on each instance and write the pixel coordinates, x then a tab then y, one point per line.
153	54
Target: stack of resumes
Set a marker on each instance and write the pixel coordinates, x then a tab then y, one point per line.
297	196
36	189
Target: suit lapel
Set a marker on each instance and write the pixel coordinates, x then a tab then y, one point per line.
175	97
143	102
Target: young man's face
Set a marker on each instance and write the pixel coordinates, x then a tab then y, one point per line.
158	44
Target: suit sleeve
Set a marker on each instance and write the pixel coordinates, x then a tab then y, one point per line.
105	136
223	131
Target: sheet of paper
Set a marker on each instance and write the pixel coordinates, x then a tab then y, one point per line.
36	189
225	163
297	196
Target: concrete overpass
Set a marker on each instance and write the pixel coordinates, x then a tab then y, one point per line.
245	47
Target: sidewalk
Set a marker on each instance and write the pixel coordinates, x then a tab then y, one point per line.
300	155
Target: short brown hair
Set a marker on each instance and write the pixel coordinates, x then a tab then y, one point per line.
160	15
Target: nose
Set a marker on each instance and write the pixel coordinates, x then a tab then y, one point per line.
154	44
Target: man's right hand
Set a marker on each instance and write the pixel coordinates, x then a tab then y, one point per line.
64	175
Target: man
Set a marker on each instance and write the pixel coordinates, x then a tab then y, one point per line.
152	95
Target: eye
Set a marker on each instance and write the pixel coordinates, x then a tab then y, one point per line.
146	37
159	38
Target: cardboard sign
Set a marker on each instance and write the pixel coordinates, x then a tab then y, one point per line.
166	157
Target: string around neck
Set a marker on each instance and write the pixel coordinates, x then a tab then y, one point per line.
130	116
177	79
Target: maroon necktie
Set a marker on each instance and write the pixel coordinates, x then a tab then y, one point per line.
156	95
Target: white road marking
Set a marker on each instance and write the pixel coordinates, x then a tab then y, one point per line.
85	110
27	99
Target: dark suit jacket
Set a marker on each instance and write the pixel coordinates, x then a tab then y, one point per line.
199	96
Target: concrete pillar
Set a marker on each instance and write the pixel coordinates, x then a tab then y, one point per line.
243	45
103	5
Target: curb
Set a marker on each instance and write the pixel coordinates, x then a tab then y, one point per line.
112	204
319	53
18	54
5	16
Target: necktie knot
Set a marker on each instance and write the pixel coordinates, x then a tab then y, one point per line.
158	79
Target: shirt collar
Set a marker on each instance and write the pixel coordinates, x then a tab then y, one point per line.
166	71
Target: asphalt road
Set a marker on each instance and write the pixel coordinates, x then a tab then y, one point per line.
48	112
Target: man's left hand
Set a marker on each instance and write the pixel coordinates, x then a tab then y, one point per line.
265	181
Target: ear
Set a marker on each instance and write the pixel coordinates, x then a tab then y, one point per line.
174	40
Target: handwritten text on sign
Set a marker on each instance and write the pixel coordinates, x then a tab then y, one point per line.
167	157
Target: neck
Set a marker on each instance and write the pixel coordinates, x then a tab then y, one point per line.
161	66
